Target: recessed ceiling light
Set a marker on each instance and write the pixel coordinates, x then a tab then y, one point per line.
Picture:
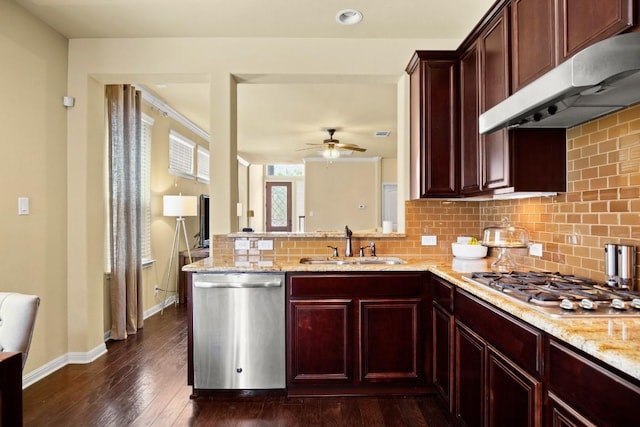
349	17
381	133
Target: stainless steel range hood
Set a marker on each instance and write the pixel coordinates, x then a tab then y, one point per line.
602	78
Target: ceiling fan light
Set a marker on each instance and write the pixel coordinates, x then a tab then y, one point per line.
331	153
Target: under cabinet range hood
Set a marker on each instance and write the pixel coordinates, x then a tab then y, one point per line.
598	80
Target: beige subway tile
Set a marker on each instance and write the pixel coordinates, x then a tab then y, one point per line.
608	146
608	170
588	173
620	231
609	218
631	140
600	230
629	114
607	122
631	192
598	183
619	206
589	127
618	181
618	131
591	149
631	218
591	218
608	194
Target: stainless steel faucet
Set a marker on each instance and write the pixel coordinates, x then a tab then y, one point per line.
348	250
372	246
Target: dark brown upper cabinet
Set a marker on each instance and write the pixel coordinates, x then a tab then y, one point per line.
434	123
470	165
493	46
583	22
516	42
533	40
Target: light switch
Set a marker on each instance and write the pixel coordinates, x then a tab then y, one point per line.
23	206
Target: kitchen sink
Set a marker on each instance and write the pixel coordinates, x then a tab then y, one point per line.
352	261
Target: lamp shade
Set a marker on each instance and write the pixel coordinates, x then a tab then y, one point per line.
180	205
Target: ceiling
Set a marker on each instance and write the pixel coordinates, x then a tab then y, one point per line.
278	119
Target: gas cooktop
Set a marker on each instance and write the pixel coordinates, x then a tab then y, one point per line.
560	295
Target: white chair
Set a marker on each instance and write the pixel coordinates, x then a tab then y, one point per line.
17	319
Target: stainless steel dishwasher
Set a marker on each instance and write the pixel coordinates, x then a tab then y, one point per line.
238	331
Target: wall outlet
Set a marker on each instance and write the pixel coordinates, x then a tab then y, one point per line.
242	244
429	240
535	249
265	245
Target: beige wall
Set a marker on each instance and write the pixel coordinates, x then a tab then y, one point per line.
33	79
333	194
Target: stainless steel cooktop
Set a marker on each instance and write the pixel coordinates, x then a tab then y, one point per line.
560	295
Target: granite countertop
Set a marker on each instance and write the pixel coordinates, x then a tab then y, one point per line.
615	341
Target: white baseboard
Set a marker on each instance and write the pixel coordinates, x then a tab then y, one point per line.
59	362
80	358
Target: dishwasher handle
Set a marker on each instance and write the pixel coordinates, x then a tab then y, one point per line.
241	284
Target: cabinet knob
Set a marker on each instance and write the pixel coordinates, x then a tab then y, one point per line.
239	370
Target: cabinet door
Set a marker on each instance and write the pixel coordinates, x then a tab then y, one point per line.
514	397
470	171
390	331
434	125
584	22
442	348
441	128
469	377
321	343
560	414
532	40
494	87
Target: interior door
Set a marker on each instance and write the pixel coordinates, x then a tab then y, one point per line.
278	206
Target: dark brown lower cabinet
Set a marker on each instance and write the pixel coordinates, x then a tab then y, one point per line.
442	335
490	388
469	377
508	373
498	379
582	392
514	396
357	333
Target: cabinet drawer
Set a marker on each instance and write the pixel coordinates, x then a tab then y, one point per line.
357	285
442	293
519	341
593	391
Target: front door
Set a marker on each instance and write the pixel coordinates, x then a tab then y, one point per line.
278	206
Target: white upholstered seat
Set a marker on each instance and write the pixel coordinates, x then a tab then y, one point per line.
17	319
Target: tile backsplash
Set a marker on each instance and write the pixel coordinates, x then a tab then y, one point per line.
601	205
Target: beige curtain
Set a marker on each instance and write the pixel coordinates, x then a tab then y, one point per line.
124	115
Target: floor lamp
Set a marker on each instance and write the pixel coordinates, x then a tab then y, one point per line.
178	206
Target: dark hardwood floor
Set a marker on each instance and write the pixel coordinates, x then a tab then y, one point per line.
143	382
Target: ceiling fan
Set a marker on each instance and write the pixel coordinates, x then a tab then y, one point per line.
333	146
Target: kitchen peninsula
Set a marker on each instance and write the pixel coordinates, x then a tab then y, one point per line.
529	358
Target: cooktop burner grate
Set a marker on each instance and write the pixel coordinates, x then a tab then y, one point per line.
562	295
